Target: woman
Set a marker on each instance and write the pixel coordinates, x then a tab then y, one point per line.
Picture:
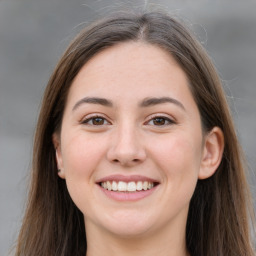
135	151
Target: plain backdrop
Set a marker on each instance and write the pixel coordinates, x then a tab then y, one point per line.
33	35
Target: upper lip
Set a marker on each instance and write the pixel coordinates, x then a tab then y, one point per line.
119	177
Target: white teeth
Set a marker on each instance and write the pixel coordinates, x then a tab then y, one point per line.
131	186
145	185
150	185
114	186
121	186
139	185
109	187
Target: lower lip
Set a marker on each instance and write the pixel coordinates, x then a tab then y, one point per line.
128	196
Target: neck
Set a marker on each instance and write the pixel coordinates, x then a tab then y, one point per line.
161	243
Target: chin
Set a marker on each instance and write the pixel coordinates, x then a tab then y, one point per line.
129	225
128	231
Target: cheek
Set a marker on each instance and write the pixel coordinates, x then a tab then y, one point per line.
81	155
179	159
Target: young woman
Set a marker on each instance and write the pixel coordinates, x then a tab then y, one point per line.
135	151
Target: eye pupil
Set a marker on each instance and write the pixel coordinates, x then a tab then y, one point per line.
159	121
98	121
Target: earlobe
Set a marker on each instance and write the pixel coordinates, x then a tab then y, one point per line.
212	153
59	162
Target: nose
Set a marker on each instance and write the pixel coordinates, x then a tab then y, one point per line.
126	147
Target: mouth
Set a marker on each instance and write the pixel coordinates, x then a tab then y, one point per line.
127	188
131	186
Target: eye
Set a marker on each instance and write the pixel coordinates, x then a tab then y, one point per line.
160	121
95	121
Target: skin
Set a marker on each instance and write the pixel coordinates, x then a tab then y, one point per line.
127	139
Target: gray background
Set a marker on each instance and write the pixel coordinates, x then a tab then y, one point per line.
34	33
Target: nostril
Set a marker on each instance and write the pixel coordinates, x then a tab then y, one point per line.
126	161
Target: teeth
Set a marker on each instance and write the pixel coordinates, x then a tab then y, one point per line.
145	185
150	185
109	185
114	186
131	186
139	185
121	186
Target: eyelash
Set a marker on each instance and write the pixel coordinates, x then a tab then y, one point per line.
162	118
89	121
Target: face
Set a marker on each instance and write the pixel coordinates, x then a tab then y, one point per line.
131	145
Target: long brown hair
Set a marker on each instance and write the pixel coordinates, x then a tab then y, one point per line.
220	210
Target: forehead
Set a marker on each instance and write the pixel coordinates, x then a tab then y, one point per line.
131	70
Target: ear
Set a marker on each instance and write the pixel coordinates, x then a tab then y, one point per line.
212	153
59	161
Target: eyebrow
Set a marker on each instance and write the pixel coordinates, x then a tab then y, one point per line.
148	102
93	100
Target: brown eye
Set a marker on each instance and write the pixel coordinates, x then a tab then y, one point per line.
159	121
95	121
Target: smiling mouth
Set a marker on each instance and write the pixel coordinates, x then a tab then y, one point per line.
131	186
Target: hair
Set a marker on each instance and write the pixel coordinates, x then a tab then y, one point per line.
220	211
